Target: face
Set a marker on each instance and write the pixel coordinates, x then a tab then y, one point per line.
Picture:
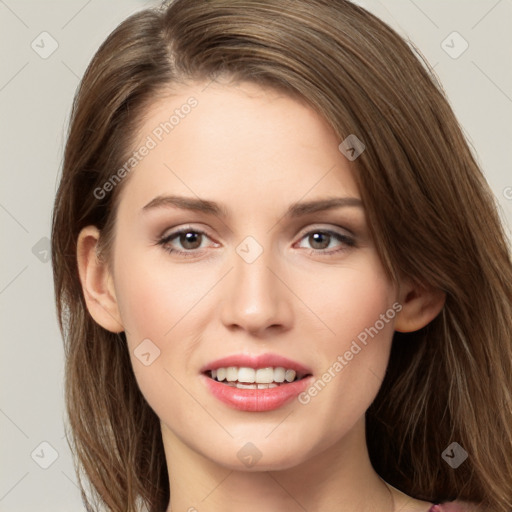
259	278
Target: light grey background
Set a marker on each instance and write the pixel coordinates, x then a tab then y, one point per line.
35	100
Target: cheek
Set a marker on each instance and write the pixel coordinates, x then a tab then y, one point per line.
367	319
144	307
165	307
156	303
348	300
153	297
353	358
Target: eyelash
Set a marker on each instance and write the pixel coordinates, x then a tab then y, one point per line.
344	239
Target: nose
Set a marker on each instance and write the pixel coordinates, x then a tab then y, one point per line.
256	298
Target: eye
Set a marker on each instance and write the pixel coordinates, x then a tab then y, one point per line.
190	240
321	239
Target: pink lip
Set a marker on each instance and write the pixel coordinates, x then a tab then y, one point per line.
261	361
256	400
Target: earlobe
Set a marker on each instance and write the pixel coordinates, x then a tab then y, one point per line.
420	305
96	280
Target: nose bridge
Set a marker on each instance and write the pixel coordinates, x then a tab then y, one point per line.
255	298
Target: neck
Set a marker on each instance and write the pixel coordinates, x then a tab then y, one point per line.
339	478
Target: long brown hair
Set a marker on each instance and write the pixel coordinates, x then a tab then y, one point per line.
430	211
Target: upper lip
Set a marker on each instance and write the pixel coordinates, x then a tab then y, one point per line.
256	361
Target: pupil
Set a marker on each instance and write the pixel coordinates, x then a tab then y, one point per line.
316	237
188	238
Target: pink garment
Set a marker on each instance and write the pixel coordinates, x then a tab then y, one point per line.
452	506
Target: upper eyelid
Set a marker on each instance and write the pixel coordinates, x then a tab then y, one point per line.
331	230
309	228
177	231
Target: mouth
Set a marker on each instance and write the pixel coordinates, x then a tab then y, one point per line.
244	377
255	383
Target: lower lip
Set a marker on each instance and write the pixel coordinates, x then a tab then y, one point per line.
256	400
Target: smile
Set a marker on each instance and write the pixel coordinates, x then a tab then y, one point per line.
255	378
255	383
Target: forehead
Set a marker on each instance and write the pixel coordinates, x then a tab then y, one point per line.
237	144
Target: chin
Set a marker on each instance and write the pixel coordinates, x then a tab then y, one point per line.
262	454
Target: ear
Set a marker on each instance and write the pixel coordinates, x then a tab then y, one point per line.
97	282
420	305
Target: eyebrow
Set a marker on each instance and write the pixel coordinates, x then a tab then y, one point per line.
213	208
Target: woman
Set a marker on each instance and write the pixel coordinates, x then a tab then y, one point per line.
280	274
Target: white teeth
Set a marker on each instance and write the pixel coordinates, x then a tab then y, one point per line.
251	386
290	375
264	375
232	373
279	374
246	374
246	386
261	377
